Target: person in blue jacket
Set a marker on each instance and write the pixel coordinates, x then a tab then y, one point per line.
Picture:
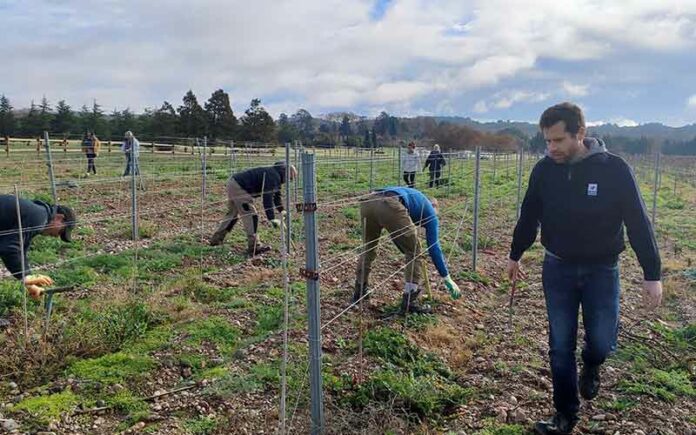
582	197
399	210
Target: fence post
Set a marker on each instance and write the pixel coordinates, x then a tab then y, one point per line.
520	153
134	166
398	175
288	210
495	161
449	173
313	305
372	167
49	163
655	187
204	163
477	186
7	145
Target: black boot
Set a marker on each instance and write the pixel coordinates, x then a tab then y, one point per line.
560	424
409	304
589	382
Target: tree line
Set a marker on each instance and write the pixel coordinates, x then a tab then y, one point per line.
216	120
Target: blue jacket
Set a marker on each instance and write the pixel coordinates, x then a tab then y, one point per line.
423	214
35	216
582	208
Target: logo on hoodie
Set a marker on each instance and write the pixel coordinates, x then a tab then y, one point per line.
592	189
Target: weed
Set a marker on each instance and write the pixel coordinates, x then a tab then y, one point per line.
201	425
113	368
44	409
216	330
491	427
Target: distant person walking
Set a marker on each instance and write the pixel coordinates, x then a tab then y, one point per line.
410	164
131	148
90	146
435	161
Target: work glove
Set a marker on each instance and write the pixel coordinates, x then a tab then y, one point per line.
35	292
275	223
452	288
38	280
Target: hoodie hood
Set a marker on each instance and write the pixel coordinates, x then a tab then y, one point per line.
594	146
281	169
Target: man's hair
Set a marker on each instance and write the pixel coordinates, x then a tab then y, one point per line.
571	114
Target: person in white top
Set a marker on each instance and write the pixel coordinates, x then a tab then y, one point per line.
131	148
410	164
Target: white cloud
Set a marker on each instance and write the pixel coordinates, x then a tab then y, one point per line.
480	107
505	100
691	102
575	90
620	121
306	53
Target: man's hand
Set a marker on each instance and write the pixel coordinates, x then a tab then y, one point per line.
452	288
514	270
38	280
35	292
275	223
652	294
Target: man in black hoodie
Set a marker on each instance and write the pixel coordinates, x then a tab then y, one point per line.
38	218
582	197
242	188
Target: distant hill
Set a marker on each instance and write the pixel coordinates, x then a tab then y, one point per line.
654	129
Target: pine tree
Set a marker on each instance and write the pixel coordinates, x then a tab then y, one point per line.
257	124
192	118
8	123
64	121
221	120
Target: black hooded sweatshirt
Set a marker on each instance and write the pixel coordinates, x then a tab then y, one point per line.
582	208
35	216
265	182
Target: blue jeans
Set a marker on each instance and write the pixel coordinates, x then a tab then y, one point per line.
567	286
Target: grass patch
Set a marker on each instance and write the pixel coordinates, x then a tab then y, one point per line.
113	368
417	381
660	384
44	409
215	330
491	427
201	425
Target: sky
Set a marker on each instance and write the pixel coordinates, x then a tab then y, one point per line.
626	62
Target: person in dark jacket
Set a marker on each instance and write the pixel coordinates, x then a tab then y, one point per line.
89	147
435	161
399	210
582	197
37	218
242	188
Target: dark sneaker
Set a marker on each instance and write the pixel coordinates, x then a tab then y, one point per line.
409	304
258	250
215	242
589	382
560	424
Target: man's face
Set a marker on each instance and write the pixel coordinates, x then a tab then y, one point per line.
411	149
561	145
54	227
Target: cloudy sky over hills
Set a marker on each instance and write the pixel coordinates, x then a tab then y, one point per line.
626	62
